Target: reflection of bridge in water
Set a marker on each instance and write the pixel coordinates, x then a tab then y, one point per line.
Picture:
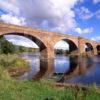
78	66
47	40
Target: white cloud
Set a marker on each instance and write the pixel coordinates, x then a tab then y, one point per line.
88	30
8	6
12	13
78	30
57	16
20	40
96	38
96	1
62	45
7	18
84	13
83	31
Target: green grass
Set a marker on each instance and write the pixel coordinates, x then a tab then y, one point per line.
43	90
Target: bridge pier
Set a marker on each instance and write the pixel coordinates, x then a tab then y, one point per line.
95	50
81	46
47	53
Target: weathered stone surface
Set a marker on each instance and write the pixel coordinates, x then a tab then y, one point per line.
46	40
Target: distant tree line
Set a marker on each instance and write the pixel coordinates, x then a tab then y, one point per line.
61	52
7	47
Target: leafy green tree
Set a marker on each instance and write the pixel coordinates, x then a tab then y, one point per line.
5	46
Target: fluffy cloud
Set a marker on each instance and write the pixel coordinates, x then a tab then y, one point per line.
20	40
47	14
57	15
96	1
96	38
62	45
84	13
8	6
11	13
83	31
8	18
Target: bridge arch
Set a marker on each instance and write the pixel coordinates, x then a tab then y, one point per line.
98	49
73	48
41	44
88	47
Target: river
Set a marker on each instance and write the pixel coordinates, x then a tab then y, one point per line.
79	70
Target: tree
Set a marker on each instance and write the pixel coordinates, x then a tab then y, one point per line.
5	46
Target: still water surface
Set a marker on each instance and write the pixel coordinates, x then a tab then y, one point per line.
64	69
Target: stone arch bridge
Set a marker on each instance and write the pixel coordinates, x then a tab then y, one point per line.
46	40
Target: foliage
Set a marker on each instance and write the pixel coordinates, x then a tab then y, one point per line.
7	47
12	65
12	61
61	52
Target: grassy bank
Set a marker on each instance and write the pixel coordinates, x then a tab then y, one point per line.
13	65
43	90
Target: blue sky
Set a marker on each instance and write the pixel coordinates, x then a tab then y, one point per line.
91	19
75	17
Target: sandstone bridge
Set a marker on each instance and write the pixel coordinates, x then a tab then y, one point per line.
47	40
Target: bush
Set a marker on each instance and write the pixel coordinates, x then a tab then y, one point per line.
12	61
12	64
4	75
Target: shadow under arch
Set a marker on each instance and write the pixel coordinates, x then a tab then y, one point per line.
89	47
73	49
98	49
41	45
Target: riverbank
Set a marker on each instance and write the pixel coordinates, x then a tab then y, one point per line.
13	65
38	90
44	90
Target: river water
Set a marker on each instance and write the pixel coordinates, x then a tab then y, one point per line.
80	70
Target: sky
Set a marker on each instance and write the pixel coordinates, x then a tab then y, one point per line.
75	17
